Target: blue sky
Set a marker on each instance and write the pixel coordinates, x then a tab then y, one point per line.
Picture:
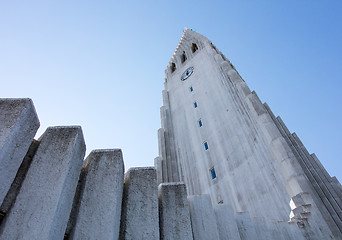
100	64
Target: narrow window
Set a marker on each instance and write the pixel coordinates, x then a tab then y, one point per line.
194	47
183	57
191	89
195	104
213	174
220	202
206	145
173	67
200	123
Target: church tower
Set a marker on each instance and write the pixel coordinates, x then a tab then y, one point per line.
218	138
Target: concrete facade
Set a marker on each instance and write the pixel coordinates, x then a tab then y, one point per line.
219	139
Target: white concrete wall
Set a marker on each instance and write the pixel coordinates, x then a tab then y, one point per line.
203	219
226	222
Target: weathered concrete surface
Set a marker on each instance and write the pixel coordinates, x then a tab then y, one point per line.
100	201
203	220
174	216
43	205
226	223
246	227
18	125
19	178
139	214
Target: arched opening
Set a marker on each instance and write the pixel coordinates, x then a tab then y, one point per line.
183	57
173	67
194	47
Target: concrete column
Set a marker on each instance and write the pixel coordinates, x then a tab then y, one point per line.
174	213
44	202
19	178
226	223
139	215
202	217
99	204
159	167
18	125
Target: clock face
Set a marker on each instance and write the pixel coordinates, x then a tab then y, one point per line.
187	73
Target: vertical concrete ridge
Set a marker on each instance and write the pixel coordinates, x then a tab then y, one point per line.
328	212
256	103
139	214
99	203
174	216
50	184
318	185
18	125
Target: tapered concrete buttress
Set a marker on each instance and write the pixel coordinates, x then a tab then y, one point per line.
18	125
43	205
174	216
139	214
202	218
99	203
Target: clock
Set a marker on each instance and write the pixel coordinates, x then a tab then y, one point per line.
187	73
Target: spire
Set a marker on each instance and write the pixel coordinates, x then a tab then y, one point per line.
188	44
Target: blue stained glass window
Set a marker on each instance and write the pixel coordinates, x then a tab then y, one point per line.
200	123
191	89
195	104
213	173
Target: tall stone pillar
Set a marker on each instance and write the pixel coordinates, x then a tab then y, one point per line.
18	125
174	212
139	214
100	197
43	205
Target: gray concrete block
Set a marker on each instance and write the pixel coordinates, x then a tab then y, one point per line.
202	217
18	125
174	216
44	202
226	223
99	205
139	214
